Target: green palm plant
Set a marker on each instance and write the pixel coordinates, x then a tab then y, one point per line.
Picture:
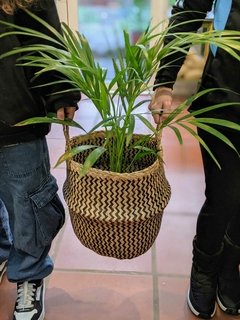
70	55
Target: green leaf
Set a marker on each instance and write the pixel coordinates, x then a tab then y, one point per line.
147	123
130	129
177	132
70	55
91	159
206	109
144	154
70	153
214	132
219	122
35	120
141	141
145	149
201	141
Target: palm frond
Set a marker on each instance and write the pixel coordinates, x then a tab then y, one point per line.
72	57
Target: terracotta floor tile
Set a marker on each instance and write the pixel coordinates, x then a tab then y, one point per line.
187	192
177	230
222	316
173	302
8	294
99	296
172	299
73	255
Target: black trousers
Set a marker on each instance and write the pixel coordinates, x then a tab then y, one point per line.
220	212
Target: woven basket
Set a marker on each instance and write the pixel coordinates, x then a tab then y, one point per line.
115	214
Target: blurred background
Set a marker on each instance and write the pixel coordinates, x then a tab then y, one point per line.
102	22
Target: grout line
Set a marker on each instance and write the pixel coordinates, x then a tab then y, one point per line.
173	276
121	272
181	213
96	271
156	311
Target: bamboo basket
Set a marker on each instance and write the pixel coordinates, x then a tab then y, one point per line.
115	214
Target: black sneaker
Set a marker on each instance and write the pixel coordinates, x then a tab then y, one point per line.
203	282
228	303
228	293
2	269
206	312
30	301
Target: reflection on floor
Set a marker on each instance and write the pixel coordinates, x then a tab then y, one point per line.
86	286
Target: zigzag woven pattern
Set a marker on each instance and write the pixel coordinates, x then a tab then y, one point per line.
113	214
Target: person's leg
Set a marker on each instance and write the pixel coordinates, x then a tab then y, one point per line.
5	234
222	191
5	239
221	205
228	293
36	215
233	229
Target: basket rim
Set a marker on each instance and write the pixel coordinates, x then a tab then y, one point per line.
75	166
95	172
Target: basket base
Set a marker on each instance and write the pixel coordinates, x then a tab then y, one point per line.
120	240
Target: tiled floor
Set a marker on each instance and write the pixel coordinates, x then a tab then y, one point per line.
86	286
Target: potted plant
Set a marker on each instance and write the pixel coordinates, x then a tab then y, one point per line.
116	189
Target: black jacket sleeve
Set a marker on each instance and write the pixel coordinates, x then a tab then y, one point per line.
188	10
46	10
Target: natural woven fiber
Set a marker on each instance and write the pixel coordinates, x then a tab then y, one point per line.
116	214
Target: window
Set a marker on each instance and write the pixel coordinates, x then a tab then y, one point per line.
102	22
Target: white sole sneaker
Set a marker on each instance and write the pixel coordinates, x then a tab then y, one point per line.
30	301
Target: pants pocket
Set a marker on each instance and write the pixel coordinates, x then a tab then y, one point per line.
49	213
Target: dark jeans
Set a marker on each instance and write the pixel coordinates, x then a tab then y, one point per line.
221	210
28	194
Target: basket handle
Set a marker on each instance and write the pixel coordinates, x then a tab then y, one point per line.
67	137
159	137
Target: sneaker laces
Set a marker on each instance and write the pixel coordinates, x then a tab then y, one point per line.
26	295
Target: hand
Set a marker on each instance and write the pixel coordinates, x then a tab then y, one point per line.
161	102
67	112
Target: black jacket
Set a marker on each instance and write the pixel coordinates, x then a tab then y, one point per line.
18	99
221	69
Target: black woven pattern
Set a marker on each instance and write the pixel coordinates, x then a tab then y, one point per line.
119	240
117	217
